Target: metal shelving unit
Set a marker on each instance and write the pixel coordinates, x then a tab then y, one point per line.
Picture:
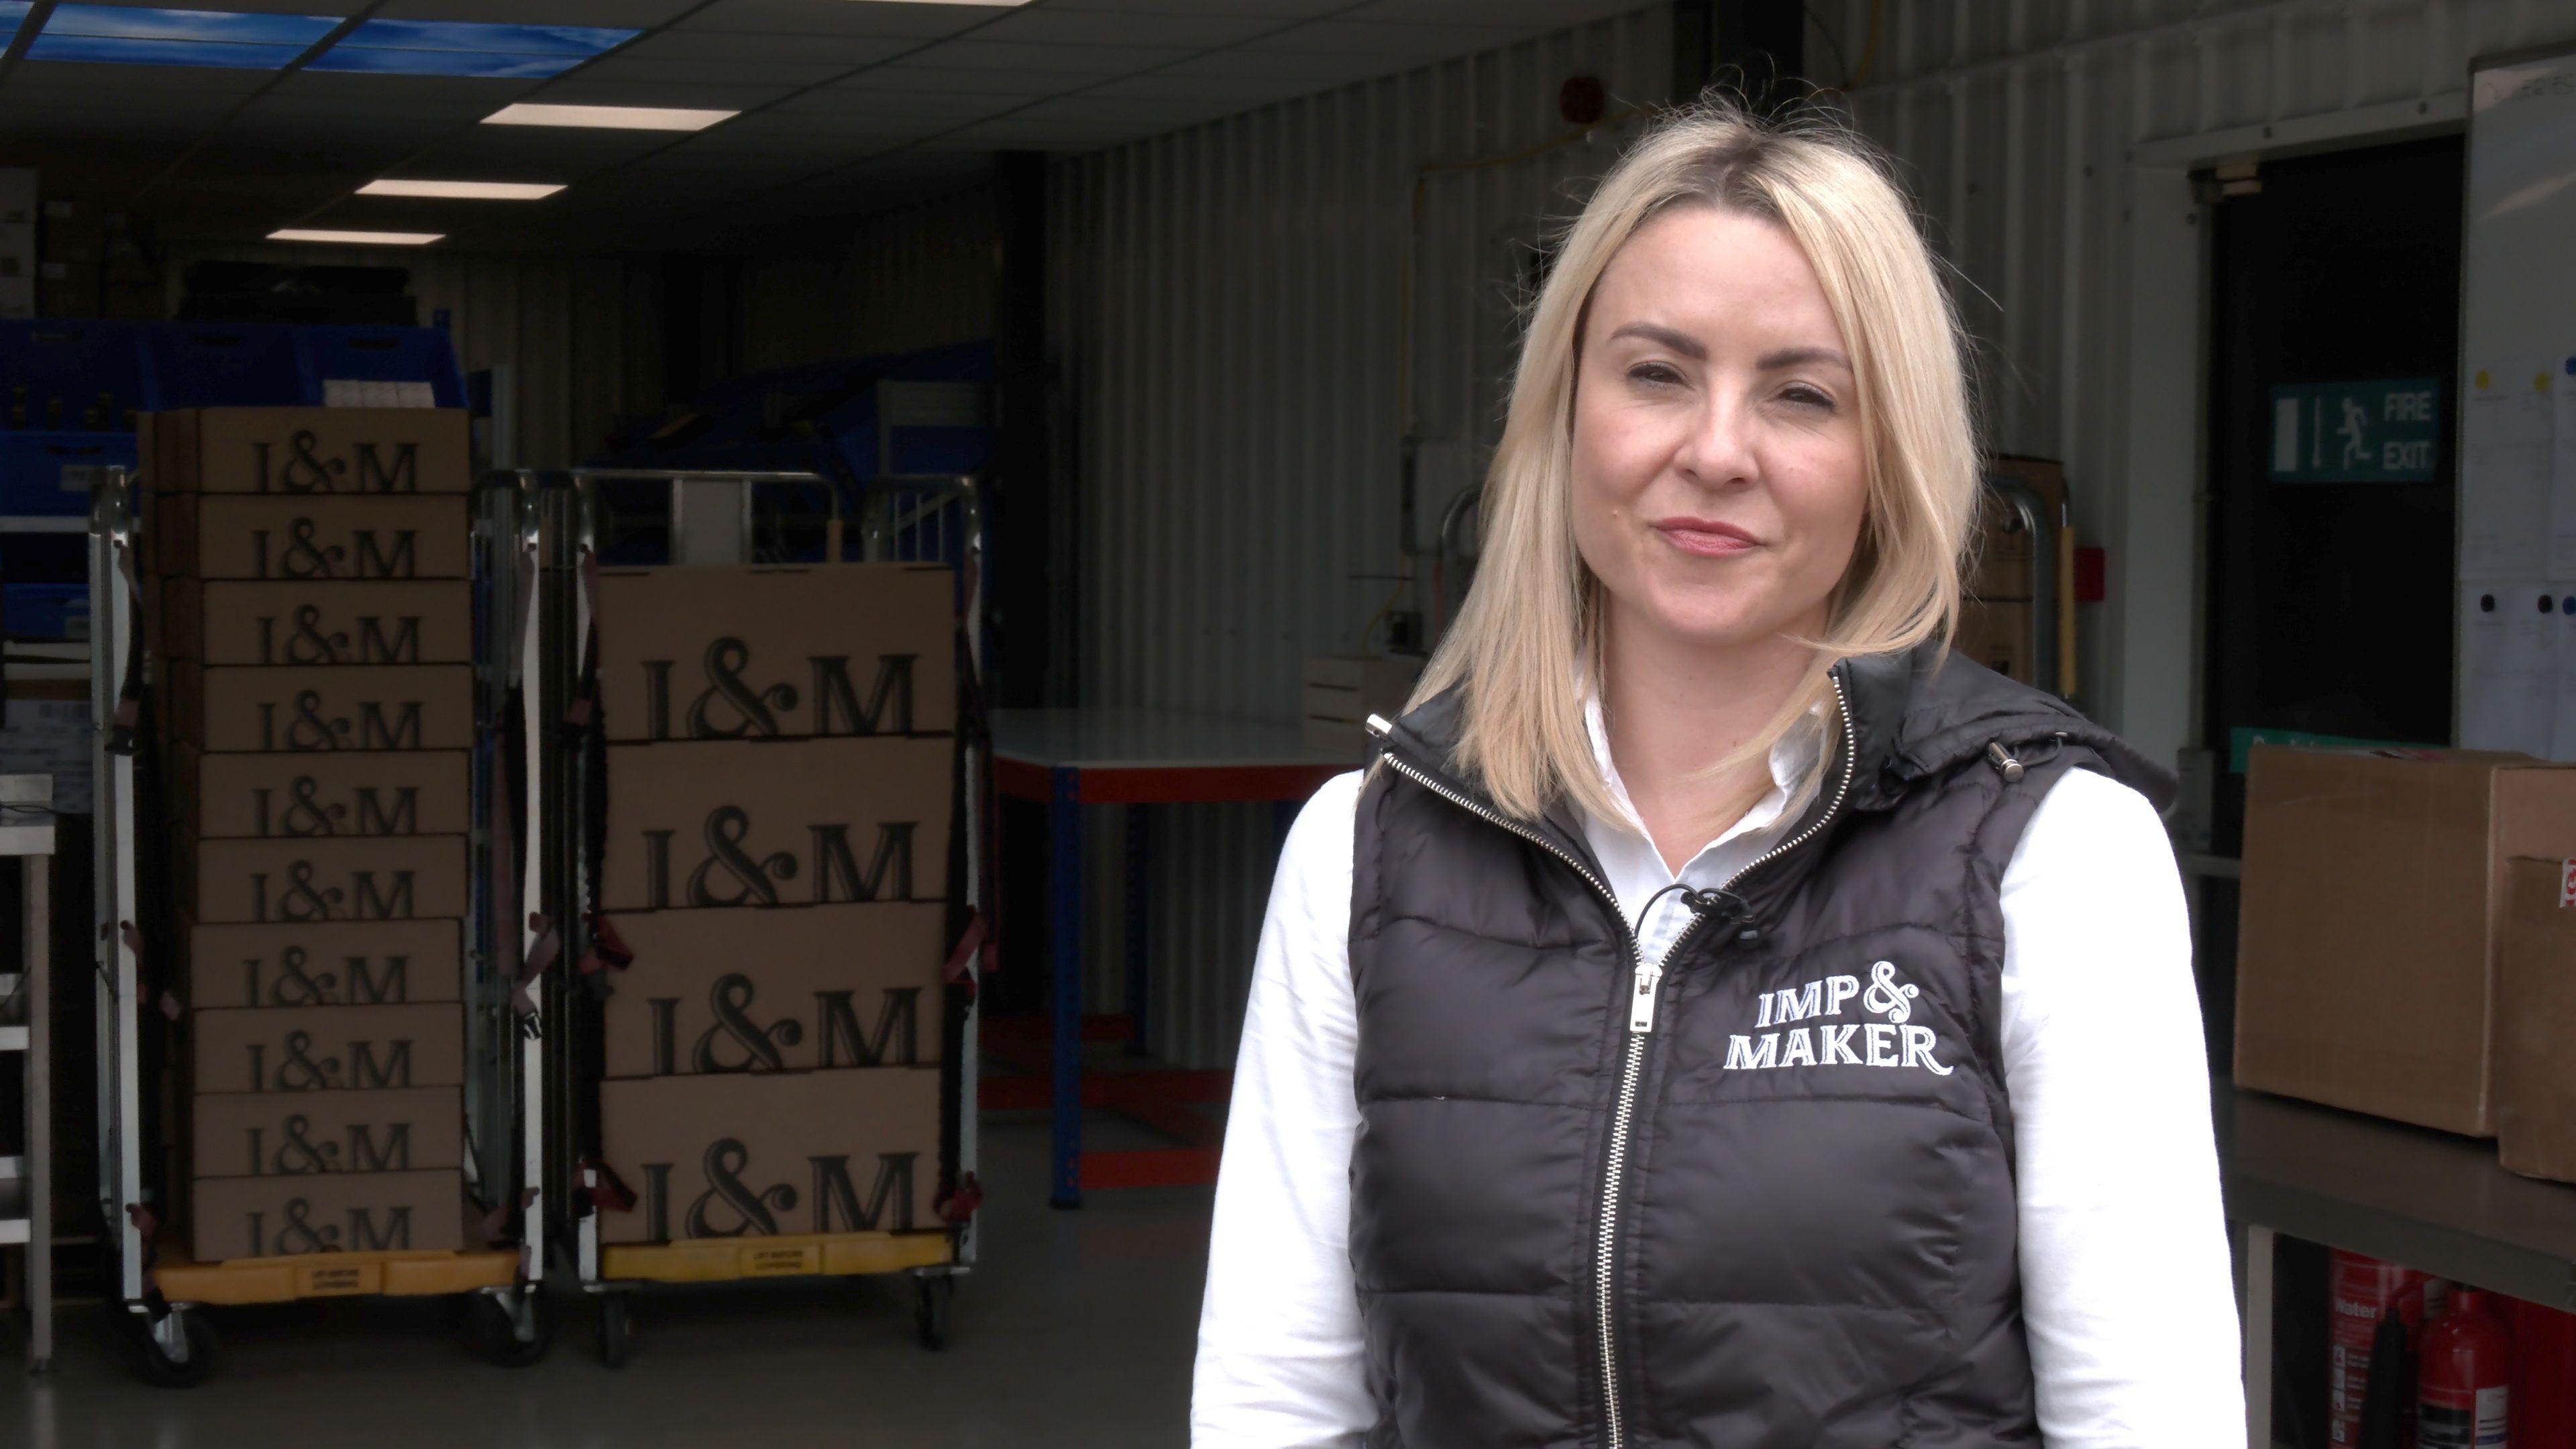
2410	1195
26	1187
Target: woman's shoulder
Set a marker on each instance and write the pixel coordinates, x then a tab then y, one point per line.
2089	824
1320	840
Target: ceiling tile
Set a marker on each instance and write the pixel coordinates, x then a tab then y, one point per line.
901	106
1200	27
1267	9
395	94
1391	42
1535	16
1316	72
650	70
1174	85
977	53
840	17
729	46
914	77
128	79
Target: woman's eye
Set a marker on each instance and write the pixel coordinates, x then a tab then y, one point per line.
1656	373
1809	397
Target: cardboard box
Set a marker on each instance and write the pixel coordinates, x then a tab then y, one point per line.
1998	637
323	963
786	990
2003	571
355	708
320	1050
774	652
321	792
2366	946
2536	1020
771	1153
319	450
334	1212
1343	690
280	1134
242	622
381	878
238	536
776	822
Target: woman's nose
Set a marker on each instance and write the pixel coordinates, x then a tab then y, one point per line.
1717	451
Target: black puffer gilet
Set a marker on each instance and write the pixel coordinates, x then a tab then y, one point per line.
1808	1156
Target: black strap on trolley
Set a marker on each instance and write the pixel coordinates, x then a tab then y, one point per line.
127	726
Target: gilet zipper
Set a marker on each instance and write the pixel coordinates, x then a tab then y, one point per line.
1646	981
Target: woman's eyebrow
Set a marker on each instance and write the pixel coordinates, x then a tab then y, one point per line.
1681	342
1798	356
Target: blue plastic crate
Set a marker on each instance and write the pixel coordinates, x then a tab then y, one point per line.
49	474
67	375
228	365
45	611
383	354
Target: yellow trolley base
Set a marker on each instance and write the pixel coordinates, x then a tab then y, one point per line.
182	1279
721	1260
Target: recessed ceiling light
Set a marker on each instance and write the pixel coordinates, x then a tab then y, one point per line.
464	190
360	238
615	118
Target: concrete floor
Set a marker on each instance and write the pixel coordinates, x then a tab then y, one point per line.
1075	1330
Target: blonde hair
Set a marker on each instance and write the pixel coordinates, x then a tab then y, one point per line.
1526	643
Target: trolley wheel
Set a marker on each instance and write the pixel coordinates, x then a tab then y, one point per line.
931	1295
511	1328
616	1326
175	1351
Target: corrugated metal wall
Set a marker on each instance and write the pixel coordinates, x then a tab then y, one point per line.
2019	122
1227	306
916	276
584	332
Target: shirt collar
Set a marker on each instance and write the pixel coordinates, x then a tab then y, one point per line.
1792	757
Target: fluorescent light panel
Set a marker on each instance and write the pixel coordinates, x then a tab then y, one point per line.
614	118
463	190
358	238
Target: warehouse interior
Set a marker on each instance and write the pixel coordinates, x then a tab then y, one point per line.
1121	376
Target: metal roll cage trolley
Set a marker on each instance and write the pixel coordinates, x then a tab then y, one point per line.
925	518
151	1275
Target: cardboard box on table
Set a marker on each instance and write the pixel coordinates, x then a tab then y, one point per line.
776	822
323	963
254	709
321	792
2535	1067
772	1153
765	652
352	451
367	878
242	621
780	990
1998	637
2373	897
311	536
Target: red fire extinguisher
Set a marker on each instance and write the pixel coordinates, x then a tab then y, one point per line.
2465	1365
2365	1290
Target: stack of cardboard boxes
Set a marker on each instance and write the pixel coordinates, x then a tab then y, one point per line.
311	619
1995	621
2406	938
779	768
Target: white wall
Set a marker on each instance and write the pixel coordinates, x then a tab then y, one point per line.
2050	143
1228	304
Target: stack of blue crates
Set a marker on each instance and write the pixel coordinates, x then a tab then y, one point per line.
68	393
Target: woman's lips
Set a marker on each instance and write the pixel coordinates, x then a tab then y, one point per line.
1706	537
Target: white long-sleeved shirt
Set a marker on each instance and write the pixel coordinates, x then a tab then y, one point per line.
2127	1295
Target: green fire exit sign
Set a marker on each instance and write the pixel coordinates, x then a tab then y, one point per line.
2355	432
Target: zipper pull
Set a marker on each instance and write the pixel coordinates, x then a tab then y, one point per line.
1641	1007
1377	726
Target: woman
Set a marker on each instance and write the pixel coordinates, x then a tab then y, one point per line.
1719	1018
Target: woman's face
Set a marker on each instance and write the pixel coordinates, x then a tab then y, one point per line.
1719	483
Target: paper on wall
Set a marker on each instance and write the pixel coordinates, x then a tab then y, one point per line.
2508	666
2505	481
2562	473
